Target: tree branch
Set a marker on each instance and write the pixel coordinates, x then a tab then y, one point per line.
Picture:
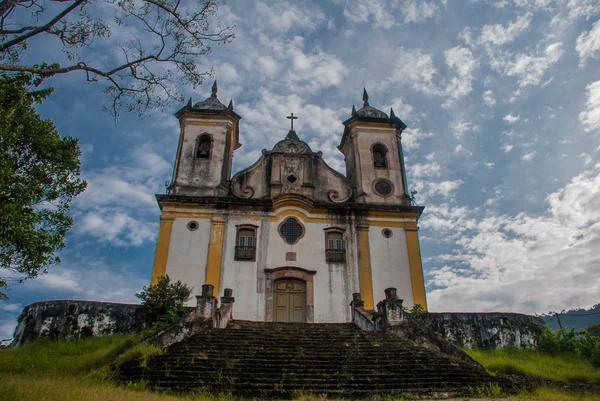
6	45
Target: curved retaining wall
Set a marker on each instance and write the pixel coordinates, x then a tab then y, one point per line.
68	320
486	330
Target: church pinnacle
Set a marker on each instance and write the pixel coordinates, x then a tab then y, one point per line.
365	98
214	90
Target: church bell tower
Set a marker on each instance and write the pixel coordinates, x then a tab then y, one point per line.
209	136
373	153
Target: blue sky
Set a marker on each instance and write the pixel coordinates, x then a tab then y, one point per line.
502	101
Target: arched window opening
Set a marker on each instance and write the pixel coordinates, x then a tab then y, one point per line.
245	248
336	251
204	147
379	156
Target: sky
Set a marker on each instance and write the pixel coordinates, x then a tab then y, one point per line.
502	104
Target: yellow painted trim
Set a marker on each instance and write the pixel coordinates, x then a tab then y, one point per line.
193	215
360	124
296	213
162	246
202	123
365	275
215	252
393	215
391	224
294	202
416	269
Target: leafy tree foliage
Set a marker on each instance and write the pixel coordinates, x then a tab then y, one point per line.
581	344
39	177
165	298
594	330
155	49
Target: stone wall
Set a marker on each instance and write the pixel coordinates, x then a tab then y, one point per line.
486	330
68	320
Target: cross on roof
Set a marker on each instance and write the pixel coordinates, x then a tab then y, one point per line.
292	118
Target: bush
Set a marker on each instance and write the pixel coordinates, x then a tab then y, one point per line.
581	344
164	299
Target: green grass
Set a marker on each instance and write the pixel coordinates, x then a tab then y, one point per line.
76	371
46	357
563	367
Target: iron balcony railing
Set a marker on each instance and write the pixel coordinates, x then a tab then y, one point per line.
245	252
335	255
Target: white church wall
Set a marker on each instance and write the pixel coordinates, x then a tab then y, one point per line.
188	254
333	283
389	264
241	276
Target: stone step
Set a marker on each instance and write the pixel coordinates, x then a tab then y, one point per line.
274	360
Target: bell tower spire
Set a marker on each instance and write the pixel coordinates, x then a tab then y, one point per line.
373	153
209	136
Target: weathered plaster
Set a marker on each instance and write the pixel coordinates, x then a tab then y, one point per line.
68	320
486	330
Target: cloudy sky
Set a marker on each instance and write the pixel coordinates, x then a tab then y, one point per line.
502	101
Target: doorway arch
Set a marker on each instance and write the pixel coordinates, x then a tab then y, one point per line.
289	300
290	273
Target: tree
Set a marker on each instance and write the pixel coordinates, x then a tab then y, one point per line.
39	177
158	44
165	299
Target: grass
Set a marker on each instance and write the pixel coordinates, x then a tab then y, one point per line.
20	388
76	371
63	358
562	367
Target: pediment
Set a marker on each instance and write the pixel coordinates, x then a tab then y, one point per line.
291	168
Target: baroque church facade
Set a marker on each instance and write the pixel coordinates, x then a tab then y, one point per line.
293	238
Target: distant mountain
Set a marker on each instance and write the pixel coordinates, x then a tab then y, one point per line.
578	319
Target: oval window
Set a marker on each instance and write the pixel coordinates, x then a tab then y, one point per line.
384	187
291	230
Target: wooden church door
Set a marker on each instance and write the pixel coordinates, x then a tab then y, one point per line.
290	301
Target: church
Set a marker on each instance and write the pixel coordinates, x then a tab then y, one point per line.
292	237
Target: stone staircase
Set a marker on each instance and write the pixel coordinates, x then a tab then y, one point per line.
279	360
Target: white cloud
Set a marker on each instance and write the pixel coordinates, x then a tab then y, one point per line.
588	43
283	16
509	118
116	228
530	68
590	117
9	307
461	127
462	60
412	137
499	260
583	8
488	98
528	156
499	35
414	68
375	11
418	11
507	148
381	13
424	170
402	110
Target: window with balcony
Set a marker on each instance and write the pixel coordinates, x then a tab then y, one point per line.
336	251
245	248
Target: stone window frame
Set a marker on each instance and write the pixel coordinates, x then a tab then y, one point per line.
199	139
290	272
299	222
385	155
338	230
238	255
